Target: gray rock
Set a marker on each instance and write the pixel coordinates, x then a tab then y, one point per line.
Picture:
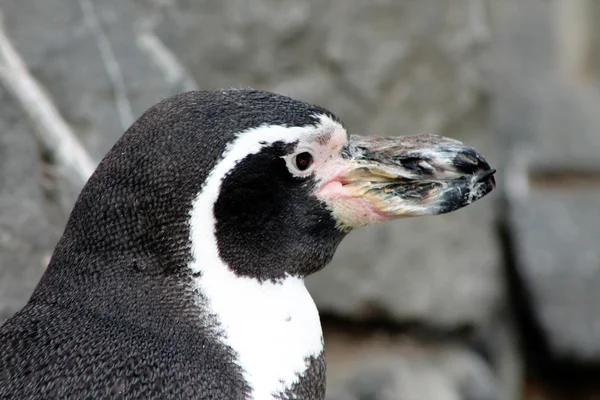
26	237
549	121
540	107
406	67
407	370
502	345
559	261
239	43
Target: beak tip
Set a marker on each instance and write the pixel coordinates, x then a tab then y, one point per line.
487	176
464	193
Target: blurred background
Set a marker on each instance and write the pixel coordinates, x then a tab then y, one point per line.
496	301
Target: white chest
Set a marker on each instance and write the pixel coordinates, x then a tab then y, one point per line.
273	327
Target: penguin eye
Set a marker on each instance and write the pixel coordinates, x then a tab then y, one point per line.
303	161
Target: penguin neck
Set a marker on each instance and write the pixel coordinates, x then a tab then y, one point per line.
272	327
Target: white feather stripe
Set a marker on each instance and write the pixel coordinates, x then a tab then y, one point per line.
272	327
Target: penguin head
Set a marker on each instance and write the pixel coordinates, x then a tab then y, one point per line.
266	184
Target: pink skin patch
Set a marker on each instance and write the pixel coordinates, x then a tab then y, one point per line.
350	209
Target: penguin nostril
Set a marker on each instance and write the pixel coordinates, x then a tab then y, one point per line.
469	162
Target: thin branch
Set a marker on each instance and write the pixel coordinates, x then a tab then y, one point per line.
51	130
110	63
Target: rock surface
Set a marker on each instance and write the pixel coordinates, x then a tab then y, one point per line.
548	118
559	260
393	67
386	368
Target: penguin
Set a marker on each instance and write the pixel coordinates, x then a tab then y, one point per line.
180	273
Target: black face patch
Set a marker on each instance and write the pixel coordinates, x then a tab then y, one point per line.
268	221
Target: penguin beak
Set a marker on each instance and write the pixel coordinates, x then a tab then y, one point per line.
388	178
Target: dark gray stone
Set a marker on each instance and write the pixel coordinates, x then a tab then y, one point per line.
540	108
549	122
26	237
503	349
385	67
408	371
559	261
